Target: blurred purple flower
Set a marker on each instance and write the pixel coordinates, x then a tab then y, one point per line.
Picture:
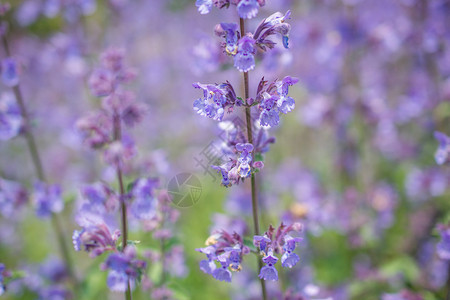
442	153
12	197
10	72
10	117
47	199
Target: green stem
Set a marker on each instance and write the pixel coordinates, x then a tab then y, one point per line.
248	118
37	163
117	135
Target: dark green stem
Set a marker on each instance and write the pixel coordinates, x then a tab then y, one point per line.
248	118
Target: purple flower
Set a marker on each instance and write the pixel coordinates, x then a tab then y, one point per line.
123	267
10	72
231	34
224	172
244	160
144	202
208	266
53	270
268	272
204	6
95	129
10	117
101	83
95	239
12	197
441	155
443	247
47	199
54	293
215	99
261	242
2	285
118	152
248	9
273	25
289	258
222	273
244	60
275	100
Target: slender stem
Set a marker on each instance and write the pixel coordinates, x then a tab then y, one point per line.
248	118
117	135
37	163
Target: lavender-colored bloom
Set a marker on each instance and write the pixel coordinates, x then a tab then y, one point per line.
2	285
47	199
273	25
261	242
268	272
204	6
123	267
95	239
208	266
443	247
222	273
230	31
10	72
441	155
275	100
244	159
224	172
289	258
12	197
248	9
144	202
10	117
53	270
244	60
54	293
215	99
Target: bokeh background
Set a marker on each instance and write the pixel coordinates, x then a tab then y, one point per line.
354	162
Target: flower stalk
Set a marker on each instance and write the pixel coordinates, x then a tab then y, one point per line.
248	118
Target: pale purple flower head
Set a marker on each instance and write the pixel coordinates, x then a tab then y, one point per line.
144	205
268	272
443	247
442	153
95	239
244	60
230	31
204	6
47	199
222	273
123	267
10	117
12	197
10	72
248	9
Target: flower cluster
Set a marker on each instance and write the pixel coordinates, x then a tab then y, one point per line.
118	106
224	252
246	9
279	241
271	98
237	153
123	268
244	48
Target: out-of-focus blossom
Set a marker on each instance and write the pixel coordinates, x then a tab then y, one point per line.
47	199
12	197
10	117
